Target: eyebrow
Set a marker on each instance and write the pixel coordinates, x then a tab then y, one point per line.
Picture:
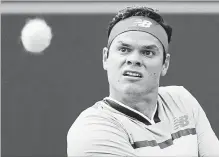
153	46
124	44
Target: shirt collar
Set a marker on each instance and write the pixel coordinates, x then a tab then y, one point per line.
132	112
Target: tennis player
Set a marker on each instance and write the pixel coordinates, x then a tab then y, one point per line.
140	118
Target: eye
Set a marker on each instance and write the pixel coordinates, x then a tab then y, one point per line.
148	53
124	49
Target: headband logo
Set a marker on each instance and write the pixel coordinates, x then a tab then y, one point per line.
142	23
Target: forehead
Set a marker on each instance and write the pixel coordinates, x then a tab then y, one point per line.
137	38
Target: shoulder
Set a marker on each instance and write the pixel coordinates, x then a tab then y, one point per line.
96	111
95	117
173	90
178	96
95	132
179	92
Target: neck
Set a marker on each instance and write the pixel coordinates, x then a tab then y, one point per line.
144	103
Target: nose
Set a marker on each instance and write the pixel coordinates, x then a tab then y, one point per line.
134	59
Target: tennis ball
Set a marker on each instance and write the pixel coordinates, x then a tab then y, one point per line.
36	35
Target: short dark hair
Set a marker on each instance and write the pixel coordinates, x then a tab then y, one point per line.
141	11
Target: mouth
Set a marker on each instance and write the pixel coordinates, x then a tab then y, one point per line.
134	74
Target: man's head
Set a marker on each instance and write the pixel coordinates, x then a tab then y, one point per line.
143	12
136	55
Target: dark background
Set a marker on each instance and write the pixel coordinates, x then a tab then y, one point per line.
43	94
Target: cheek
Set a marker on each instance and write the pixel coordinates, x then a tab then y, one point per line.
155	70
156	75
114	68
116	62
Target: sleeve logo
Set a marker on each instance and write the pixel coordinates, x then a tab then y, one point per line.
142	23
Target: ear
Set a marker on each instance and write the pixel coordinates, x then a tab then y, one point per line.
165	65
105	57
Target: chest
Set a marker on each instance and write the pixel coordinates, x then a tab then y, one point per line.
164	139
174	135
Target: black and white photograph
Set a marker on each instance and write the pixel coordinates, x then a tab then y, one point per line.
109	78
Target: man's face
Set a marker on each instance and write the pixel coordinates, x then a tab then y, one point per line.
134	63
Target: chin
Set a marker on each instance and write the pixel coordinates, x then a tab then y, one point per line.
133	90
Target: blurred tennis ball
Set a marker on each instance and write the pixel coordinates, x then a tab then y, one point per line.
36	35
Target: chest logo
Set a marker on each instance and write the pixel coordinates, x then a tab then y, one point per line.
181	122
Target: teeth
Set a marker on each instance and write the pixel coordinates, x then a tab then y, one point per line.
133	74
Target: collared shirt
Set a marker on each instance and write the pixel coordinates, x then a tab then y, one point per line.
179	127
110	101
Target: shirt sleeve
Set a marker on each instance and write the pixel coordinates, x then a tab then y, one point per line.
208	144
97	134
